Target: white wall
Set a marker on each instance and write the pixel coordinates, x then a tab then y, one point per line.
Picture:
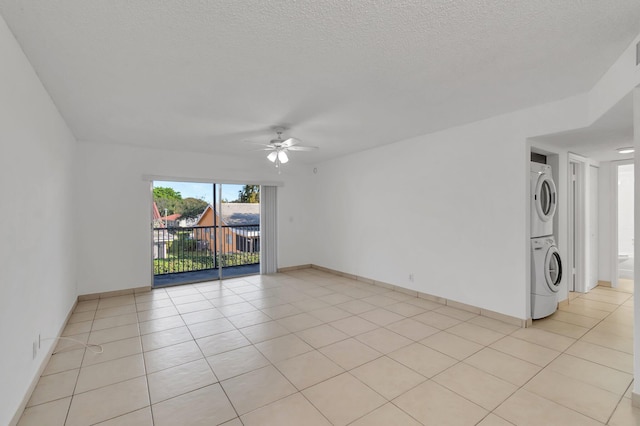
37	254
446	207
451	208
114	196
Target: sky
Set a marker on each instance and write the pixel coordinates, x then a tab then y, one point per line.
202	191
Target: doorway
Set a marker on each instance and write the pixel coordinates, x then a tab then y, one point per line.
204	231
624	232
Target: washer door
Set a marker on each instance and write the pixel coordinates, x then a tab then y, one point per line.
553	268
544	197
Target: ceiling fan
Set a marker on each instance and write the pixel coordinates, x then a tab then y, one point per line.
279	148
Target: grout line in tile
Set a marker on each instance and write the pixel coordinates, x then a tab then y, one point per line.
359	297
617	405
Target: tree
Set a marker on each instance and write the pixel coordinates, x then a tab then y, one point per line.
249	194
191	208
163	192
167	200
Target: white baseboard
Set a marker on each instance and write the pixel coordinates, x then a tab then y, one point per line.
519	322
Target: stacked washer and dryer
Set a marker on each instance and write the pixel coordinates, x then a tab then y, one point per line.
546	266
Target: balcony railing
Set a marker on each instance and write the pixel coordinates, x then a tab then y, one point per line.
198	248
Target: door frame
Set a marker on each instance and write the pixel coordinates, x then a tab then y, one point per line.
592	242
615	266
576	224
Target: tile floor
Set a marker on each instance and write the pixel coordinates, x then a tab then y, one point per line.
311	348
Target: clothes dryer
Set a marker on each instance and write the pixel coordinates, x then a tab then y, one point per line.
546	274
543	200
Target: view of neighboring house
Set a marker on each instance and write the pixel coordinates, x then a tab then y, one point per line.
168	221
240	230
184	223
157	219
172	220
161	239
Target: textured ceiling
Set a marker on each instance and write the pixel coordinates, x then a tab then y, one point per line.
343	75
600	140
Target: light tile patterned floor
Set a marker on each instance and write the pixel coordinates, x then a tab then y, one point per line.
311	348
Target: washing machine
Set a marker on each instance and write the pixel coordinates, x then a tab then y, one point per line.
546	274
543	200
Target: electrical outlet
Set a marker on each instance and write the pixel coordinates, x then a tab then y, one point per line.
35	349
39	341
411	277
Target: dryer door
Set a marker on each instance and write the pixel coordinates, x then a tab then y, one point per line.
544	197
553	269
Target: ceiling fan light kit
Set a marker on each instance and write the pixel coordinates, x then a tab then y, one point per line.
282	157
279	148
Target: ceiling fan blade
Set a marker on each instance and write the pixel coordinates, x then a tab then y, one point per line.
290	142
255	143
302	148
261	146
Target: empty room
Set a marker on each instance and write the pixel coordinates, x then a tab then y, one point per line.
319	213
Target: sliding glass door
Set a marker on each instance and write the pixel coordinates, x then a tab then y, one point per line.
204	231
